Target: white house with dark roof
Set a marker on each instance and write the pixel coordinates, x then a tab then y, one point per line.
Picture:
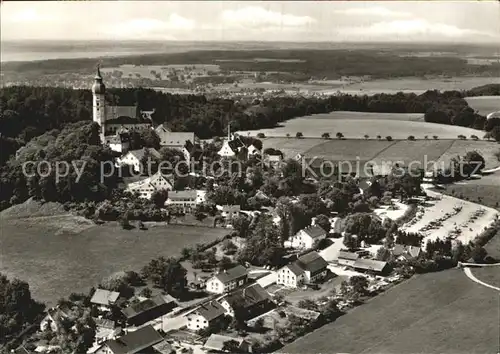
204	315
308	268
227	280
134	158
249	302
139	341
147	186
104	298
305	238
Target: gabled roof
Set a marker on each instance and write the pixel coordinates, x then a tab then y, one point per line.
311	262
140	153
147	305
411	251
104	323
370	264
169	138
348	255
295	268
104	297
314	231
136	341
247	297
232	274
216	341
164	347
182	195
211	310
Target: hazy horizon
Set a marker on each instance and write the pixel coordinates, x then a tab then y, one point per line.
435	22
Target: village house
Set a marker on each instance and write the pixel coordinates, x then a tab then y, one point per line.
248	302
204	315
347	258
149	309
273	160
216	343
53	318
229	211
187	199
145	188
136	159
175	140
305	238
104	299
139	341
307	269
227	280
105	329
405	253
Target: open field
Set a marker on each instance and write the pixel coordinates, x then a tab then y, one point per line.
416	154
56	264
464	225
442	312
487	188
418	85
484	104
357	128
490	275
487	149
414	117
349	150
145	70
382	153
369	87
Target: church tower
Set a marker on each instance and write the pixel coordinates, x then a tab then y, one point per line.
99	102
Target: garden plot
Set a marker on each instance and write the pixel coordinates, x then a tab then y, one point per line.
449	217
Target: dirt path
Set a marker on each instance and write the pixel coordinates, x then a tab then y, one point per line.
471	276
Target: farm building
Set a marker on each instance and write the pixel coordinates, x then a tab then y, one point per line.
308	268
216	343
227	280
139	341
370	265
204	315
305	238
147	186
248	302
104	298
404	252
149	309
347	258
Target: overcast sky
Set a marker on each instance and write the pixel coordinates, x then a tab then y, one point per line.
461	21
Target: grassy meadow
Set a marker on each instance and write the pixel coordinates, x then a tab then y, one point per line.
443	312
312	127
484	104
57	263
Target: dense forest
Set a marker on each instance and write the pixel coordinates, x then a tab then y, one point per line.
317	63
